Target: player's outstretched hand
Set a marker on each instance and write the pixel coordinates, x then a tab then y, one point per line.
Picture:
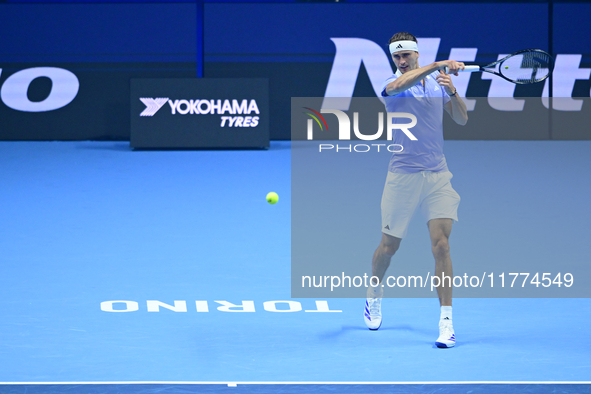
452	66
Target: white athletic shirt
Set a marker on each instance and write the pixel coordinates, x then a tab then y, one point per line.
426	103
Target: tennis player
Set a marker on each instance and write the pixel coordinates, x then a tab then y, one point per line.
418	177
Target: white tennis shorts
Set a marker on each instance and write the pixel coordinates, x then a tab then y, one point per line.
403	193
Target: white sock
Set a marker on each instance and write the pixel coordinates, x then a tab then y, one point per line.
445	313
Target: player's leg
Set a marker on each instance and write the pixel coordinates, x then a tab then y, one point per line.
440	208
439	231
383	255
399	202
380	263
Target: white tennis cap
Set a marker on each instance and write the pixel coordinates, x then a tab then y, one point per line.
398	46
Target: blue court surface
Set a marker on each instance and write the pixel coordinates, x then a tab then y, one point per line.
161	271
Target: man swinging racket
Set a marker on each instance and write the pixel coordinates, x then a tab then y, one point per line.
418	176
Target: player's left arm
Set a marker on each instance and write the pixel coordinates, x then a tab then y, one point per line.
455	107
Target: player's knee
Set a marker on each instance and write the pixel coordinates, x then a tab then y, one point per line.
389	250
441	247
389	247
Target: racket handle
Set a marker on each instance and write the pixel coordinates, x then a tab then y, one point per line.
467	69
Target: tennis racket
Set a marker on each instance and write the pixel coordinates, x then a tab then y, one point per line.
523	67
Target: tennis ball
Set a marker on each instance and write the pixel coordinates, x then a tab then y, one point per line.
506	67
272	198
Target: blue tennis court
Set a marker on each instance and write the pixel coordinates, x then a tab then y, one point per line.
166	268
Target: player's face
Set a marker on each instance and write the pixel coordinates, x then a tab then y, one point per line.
406	60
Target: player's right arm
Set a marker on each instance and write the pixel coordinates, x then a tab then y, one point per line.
410	78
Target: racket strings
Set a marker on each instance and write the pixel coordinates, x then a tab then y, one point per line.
528	67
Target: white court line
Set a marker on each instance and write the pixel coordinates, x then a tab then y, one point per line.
341	383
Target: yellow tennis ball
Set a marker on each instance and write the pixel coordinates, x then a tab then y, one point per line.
506	67
272	198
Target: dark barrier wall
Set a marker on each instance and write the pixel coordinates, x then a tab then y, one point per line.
303	49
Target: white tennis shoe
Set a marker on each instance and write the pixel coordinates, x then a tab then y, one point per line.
447	337
373	313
